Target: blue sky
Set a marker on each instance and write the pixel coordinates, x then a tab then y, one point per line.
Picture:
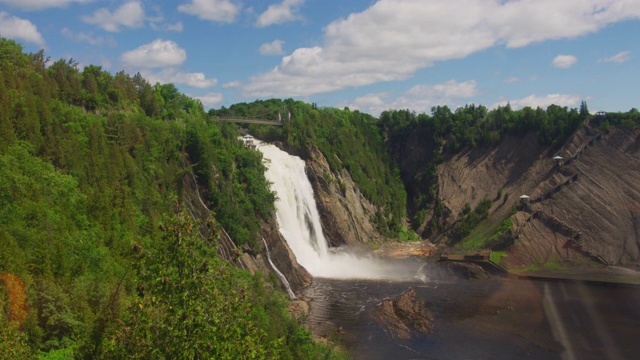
365	54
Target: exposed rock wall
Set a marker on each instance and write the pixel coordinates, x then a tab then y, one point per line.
344	211
282	257
587	208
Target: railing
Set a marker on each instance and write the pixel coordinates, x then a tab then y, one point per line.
244	120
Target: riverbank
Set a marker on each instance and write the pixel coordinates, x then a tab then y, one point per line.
591	272
402	250
610	275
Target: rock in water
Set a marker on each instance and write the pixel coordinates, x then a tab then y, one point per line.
464	270
404	316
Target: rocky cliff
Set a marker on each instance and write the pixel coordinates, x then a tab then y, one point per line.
344	211
246	258
584	208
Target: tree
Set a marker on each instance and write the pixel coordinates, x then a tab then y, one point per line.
584	110
190	304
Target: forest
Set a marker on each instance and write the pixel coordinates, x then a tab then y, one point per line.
97	251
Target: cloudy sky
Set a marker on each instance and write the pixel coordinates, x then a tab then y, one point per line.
365	54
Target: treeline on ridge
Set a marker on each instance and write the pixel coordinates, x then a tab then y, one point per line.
447	132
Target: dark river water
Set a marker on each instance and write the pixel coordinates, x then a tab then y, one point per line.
495	318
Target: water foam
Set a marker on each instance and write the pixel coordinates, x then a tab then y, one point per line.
299	223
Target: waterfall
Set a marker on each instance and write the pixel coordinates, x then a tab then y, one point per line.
299	223
278	273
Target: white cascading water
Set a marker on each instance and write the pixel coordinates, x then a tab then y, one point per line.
280	275
299	223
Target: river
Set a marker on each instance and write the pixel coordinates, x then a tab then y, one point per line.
494	318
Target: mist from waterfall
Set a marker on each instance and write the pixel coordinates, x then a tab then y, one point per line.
299	223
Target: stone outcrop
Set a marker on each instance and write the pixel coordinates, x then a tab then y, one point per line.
282	257
584	210
245	258
463	270
405	316
345	213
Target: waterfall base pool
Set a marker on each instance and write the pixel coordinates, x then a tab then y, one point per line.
484	319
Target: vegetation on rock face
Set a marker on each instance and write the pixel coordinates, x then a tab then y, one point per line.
349	140
91	169
445	132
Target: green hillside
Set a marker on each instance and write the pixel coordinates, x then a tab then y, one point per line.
97	253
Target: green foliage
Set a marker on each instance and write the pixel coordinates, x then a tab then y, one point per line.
553	263
90	163
14	343
232	177
626	120
495	240
407	235
468	221
498	256
488	235
190	304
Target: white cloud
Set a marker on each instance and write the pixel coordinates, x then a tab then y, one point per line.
223	11
564	61
272	48
209	100
450	89
419	98
619	58
391	40
511	80
40	4
174	27
168	55
157	25
129	15
88	38
280	13
372	104
196	80
159	53
13	27
231	85
535	101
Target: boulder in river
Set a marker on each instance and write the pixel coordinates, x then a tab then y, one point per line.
405	316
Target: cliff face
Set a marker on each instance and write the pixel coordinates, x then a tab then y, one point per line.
587	208
251	260
344	211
